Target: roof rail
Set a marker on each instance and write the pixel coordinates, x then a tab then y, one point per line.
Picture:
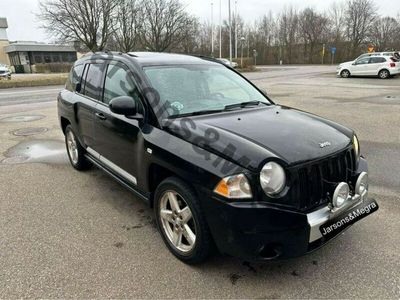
209	58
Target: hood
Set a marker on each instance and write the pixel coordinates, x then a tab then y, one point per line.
347	63
249	137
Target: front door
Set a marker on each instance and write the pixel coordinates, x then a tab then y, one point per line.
360	67
118	139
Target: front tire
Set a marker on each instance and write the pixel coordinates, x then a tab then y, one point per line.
181	221
345	74
384	74
76	153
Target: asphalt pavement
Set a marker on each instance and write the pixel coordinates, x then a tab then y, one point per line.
67	234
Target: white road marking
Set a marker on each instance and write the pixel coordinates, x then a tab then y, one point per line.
29	92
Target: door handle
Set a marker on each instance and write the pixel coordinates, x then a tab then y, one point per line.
101	116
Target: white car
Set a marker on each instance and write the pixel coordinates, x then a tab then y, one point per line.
395	54
226	62
5	72
381	66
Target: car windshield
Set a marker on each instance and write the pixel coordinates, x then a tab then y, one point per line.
197	89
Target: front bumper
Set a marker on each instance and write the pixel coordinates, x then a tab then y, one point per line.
5	76
260	231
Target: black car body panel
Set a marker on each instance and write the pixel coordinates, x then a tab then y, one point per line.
141	151
263	133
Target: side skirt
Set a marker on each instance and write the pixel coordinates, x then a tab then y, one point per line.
143	196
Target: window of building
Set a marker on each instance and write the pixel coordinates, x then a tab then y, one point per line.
47	58
56	57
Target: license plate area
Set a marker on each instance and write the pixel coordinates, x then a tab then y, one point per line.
347	218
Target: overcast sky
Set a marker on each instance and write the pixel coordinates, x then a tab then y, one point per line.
23	24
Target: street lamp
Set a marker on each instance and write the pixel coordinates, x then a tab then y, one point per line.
242	39
212	30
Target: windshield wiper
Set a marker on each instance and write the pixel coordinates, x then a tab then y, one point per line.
243	104
196	113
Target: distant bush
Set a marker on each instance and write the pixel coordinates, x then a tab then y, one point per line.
248	62
52	68
29	80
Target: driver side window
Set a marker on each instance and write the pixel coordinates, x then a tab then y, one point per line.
223	86
363	61
120	82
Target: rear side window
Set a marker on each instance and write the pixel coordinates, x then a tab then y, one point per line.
74	78
92	81
376	60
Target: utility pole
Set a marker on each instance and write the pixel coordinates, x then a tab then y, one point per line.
230	32
236	31
212	30
323	53
242	39
220	29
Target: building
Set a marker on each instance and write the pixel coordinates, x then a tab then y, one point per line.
3	41
26	57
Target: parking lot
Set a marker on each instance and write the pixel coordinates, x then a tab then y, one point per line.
70	234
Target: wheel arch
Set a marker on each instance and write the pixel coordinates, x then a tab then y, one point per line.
156	175
64	123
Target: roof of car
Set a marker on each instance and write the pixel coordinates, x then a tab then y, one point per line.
160	58
156	58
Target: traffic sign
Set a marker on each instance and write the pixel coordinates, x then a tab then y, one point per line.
333	50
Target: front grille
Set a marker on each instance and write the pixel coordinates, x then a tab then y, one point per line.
2	72
313	184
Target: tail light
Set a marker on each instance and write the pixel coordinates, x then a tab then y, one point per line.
392	64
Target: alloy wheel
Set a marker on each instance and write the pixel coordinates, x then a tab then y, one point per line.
72	147
383	74
177	221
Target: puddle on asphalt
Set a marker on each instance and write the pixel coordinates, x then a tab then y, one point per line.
29	131
26	118
37	151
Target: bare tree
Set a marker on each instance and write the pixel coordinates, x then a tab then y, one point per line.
360	15
164	24
288	29
266	30
384	32
129	25
336	16
86	21
313	26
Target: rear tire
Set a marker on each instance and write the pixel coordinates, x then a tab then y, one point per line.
181	221
76	153
384	74
345	74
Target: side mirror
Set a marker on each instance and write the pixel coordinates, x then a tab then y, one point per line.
124	105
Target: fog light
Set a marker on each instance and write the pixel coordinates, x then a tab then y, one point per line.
362	185
341	194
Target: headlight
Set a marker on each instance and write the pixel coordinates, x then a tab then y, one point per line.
234	187
272	178
356	147
340	195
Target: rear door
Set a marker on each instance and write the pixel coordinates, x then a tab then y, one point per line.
118	139
376	63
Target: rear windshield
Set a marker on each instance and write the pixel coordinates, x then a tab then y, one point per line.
394	59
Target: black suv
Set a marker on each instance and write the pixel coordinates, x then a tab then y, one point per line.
220	163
